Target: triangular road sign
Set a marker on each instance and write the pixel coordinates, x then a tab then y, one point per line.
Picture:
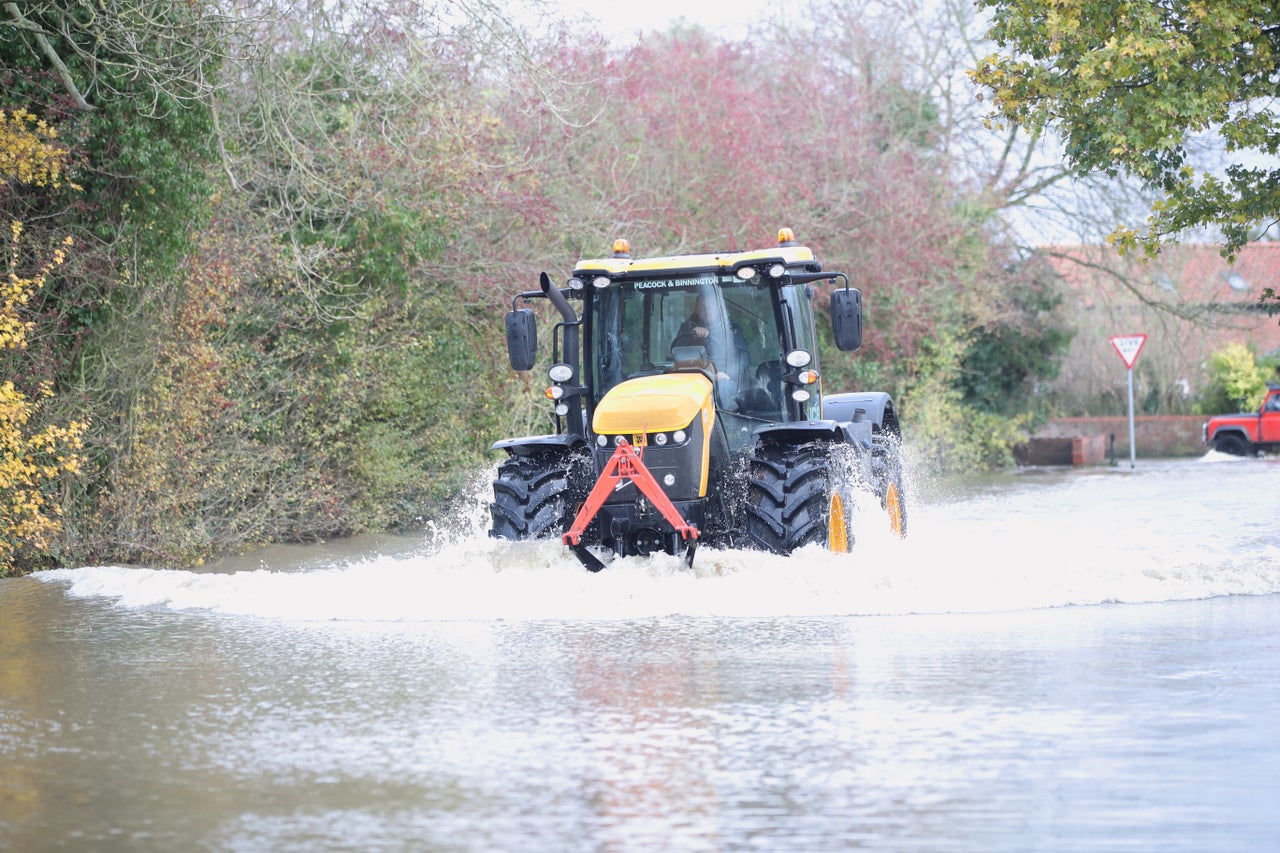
1128	346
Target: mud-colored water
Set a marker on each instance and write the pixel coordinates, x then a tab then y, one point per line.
1054	660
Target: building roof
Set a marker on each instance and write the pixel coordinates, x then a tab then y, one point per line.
1195	273
1194	279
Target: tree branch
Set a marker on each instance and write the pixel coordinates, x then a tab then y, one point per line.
64	74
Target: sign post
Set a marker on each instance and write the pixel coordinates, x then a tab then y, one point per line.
1129	346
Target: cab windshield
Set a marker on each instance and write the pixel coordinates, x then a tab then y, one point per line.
719	324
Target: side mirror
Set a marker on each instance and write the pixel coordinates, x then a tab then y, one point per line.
846	318
522	338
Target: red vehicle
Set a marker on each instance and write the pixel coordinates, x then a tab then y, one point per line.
1247	433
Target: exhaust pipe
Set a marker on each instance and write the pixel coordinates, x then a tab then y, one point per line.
571	340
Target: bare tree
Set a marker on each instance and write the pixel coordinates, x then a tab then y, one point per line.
175	49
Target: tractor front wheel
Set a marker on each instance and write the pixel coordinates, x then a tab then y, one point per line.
795	498
533	497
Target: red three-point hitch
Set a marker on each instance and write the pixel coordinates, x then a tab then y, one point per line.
625	464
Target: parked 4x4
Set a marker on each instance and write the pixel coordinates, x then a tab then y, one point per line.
1248	432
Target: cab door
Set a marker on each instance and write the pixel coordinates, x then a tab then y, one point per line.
797	308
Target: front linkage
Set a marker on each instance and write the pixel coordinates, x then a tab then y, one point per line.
627	465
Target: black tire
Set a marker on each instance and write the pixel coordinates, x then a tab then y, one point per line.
795	498
886	469
1232	443
533	498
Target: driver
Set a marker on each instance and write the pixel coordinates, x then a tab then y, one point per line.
696	331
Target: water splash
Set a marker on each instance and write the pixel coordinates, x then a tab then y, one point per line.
1034	540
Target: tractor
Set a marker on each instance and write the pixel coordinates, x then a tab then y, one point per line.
689	408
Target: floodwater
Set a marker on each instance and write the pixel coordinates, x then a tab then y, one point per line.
1052	661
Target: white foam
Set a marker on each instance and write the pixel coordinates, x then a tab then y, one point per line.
1084	539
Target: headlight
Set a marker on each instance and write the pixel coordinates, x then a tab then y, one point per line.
618	439
746	273
807	377
679	436
602	281
576	283
602	440
660	439
776	270
562	409
800	395
555	392
799	358
560	372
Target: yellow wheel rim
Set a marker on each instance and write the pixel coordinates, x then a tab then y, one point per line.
893	506
837	526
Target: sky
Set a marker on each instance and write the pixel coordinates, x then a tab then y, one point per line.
620	19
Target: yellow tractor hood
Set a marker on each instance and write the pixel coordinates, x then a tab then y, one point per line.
651	404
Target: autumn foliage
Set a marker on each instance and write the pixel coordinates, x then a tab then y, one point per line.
33	457
293	246
1142	88
700	145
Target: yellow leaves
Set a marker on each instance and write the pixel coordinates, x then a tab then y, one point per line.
1125	239
30	462
28	154
1198	11
1062	20
1236	369
29	465
16	290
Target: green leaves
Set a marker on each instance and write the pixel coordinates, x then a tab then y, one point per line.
1130	83
1237	381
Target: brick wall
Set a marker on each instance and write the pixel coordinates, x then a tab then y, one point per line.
1154	435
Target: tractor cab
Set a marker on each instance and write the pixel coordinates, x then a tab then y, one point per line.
737	333
743	319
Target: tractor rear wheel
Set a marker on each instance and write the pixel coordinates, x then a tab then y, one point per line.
886	462
794	498
533	497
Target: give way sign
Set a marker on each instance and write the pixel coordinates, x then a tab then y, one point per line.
1128	346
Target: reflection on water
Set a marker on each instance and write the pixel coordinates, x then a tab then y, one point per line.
472	695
